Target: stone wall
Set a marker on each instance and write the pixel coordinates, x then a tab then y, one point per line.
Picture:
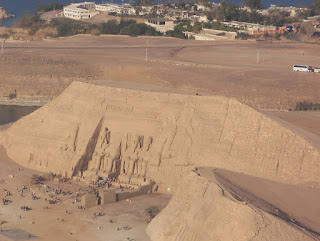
89	200
108	196
134	193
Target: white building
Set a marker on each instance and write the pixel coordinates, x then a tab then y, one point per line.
161	24
126	8
110	8
250	27
84	10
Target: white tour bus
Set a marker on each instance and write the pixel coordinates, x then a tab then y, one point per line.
304	68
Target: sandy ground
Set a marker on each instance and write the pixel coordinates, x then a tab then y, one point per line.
298	206
306	123
47	224
228	68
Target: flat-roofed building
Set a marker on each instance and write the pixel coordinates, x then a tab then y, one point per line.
161	24
250	28
78	11
111	8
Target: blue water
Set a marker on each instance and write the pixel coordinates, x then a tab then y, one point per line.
10	113
18	7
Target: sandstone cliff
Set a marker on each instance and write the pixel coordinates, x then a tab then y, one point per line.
200	210
91	131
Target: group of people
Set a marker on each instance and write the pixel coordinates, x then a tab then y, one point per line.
25	208
5	201
23	189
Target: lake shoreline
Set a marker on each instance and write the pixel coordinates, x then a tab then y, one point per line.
4	14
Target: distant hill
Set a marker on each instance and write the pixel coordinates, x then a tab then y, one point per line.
266	3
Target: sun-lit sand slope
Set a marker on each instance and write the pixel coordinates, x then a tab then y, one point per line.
201	210
158	136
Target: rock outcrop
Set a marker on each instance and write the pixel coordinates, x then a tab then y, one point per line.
200	210
4	14
91	131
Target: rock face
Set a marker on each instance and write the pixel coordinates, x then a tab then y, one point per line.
199	210
4	14
91	131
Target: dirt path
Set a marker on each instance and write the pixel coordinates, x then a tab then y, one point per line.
304	123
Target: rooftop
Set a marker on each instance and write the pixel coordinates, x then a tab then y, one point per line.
77	6
160	19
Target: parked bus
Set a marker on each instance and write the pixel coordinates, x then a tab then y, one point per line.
317	69
304	68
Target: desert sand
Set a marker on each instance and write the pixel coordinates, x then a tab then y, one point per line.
54	223
225	68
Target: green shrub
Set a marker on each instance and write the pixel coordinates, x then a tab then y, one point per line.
197	27
45	7
176	33
277	36
242	35
266	35
32	22
69	27
110	27
304	105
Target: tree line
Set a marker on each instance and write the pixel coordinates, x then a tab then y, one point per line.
69	27
230	12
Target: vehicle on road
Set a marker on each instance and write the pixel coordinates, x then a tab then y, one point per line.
303	68
317	69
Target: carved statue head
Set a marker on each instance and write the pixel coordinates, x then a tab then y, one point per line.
147	143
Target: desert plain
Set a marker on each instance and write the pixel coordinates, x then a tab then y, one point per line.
206	121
